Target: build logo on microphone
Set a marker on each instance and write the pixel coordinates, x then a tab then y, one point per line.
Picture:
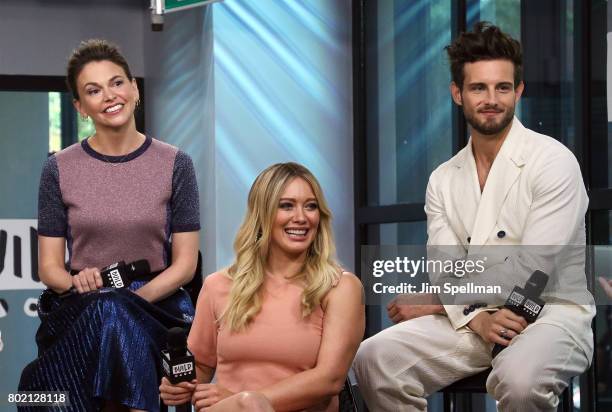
116	278
182	368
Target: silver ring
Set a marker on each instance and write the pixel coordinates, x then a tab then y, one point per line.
503	332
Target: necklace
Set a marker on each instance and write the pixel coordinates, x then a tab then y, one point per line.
115	163
105	158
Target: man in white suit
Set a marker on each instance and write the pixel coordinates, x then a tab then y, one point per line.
508	186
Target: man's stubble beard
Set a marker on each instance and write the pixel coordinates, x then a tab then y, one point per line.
489	128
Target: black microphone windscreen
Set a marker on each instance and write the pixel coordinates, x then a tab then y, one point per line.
176	339
537	282
140	267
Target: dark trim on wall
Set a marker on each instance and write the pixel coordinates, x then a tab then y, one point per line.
69	124
360	159
413	212
600	199
459	124
359	86
582	67
359	119
24	83
139	114
19	83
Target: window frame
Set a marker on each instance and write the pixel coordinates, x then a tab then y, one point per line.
600	198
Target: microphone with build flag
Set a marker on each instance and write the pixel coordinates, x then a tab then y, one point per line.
118	275
526	301
121	275
178	363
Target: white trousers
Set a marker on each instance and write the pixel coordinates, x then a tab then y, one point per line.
402	365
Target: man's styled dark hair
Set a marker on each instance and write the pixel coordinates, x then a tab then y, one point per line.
485	42
93	50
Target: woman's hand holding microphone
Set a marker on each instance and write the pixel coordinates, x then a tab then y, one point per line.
87	280
203	395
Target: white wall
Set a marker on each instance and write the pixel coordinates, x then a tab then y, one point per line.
179	92
235	116
37	36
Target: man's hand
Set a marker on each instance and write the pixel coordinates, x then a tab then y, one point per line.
405	307
500	327
208	394
176	394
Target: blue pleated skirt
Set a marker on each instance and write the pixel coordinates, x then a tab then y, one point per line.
103	345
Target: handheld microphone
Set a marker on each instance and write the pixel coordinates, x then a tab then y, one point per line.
121	275
526	301
178	363
118	275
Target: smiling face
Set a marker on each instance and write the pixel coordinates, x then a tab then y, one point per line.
488	95
295	225
106	94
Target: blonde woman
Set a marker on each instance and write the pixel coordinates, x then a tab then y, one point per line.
279	328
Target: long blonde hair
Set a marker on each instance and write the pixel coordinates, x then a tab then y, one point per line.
320	271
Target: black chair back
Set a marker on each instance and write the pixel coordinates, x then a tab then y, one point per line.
194	286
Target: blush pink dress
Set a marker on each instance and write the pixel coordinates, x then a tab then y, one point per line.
277	344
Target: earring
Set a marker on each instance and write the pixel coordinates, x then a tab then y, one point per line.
137	103
259	235
84	117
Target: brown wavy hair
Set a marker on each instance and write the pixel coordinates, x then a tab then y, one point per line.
485	42
93	50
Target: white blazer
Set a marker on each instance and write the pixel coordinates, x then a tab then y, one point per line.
534	195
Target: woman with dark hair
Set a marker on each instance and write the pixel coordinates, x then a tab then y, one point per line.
116	196
279	328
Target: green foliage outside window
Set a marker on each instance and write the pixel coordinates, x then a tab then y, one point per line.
85	128
55	122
